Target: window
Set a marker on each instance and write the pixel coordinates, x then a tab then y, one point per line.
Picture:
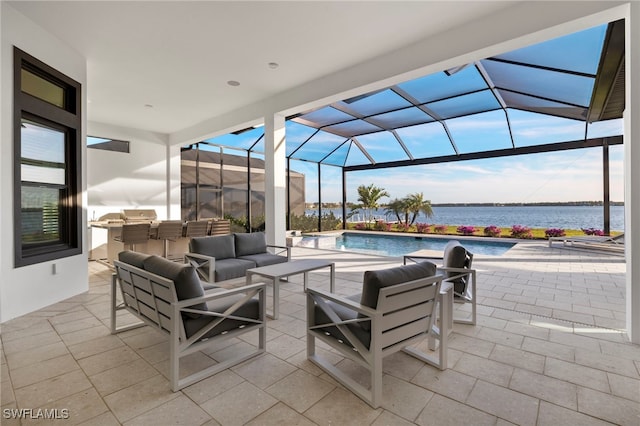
47	185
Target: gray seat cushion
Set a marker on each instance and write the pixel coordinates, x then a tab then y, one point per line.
362	332
375	280
183	276
227	269
455	256
264	259
251	309
133	258
219	246
247	244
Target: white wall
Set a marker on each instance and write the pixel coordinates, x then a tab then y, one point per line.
148	177
29	288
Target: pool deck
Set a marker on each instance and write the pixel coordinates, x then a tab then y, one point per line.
548	349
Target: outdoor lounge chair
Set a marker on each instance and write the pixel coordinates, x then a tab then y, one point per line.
395	310
611	242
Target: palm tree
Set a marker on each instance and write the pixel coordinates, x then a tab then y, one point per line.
368	196
397	207
416	204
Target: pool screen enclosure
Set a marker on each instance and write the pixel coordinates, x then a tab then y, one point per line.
572	82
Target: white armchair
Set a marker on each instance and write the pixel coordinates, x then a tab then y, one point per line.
396	310
456	268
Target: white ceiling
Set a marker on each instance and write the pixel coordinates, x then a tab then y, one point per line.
178	56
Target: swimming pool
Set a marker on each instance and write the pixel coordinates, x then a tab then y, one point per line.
390	245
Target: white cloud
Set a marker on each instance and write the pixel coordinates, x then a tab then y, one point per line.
560	176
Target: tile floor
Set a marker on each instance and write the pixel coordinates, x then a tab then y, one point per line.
548	349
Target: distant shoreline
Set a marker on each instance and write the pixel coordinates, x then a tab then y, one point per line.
547	203
310	206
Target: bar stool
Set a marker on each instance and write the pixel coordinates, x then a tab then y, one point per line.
132	234
220	227
196	228
168	230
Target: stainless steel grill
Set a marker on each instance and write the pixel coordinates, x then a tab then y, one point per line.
139	215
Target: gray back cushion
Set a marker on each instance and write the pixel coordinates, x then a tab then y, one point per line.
253	243
219	246
375	280
133	258
455	256
183	276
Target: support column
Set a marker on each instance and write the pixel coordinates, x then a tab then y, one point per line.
275	179
320	197
174	180
632	171
606	192
344	199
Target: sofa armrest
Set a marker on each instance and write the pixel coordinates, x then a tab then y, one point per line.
205	266
281	249
251	288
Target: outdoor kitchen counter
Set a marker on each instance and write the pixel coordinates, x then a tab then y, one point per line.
103	246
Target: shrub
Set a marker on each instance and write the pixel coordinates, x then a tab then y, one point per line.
361	226
439	229
403	227
381	225
466	230
422	228
593	231
519	231
492	231
554	232
310	223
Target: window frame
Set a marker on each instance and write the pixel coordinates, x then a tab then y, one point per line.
69	120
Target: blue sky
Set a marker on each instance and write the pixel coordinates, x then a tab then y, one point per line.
574	175
561	176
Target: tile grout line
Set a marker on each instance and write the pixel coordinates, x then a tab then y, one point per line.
553	318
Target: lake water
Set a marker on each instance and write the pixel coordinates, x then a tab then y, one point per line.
565	217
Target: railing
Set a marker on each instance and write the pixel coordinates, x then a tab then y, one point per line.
361	217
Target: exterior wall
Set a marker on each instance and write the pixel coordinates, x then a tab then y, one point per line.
632	171
142	179
29	288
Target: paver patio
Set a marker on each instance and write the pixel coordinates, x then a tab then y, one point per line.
548	349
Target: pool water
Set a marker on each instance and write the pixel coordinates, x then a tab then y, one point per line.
389	245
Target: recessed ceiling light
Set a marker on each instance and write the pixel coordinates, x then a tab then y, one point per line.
148	106
273	65
233	83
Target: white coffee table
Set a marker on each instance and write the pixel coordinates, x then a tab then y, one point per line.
293	267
